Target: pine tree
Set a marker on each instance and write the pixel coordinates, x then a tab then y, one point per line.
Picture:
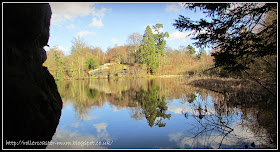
148	51
159	39
242	33
233	31
190	50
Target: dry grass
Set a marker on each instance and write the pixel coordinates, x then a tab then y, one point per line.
237	90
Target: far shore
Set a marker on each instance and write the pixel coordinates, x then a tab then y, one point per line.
118	77
170	76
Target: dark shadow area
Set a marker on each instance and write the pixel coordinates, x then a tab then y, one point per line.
31	103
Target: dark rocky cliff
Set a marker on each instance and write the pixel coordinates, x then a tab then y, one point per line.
31	102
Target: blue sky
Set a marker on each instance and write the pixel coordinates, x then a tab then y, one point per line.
106	25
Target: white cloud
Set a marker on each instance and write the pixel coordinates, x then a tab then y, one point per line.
64	139
68	11
90	117
61	48
84	33
100	126
240	134
176	137
56	19
96	22
154	32
100	12
178	35
189	110
75	125
174	7
179	109
72	8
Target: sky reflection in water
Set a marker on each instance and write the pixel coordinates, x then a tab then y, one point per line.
160	113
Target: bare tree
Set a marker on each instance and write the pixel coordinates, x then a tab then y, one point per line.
134	41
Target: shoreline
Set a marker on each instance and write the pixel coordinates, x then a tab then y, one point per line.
170	76
129	77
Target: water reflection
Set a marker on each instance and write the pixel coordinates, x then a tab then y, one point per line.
159	113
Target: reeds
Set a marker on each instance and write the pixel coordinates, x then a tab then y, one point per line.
235	89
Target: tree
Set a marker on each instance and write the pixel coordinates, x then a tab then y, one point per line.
201	51
242	32
190	50
118	54
100	55
55	62
159	39
232	30
153	105
148	51
78	44
90	63
134	41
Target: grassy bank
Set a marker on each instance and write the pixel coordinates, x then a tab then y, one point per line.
237	88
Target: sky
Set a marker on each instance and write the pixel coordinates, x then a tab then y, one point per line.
106	25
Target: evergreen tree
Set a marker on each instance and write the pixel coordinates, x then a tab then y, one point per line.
240	32
148	51
190	50
159	39
233	29
153	105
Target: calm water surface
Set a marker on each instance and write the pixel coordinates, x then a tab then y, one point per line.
158	113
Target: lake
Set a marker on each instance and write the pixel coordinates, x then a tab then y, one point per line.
161	113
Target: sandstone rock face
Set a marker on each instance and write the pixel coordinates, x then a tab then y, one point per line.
31	102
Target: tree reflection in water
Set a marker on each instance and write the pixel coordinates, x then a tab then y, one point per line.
153	106
222	125
215	121
145	98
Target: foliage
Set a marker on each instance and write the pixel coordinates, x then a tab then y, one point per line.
152	105
92	93
152	48
142	55
148	51
118	54
159	39
237	30
55	62
200	53
90	63
134	41
99	55
190	50
78	44
147	96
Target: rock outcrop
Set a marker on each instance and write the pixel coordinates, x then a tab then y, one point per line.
31	102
